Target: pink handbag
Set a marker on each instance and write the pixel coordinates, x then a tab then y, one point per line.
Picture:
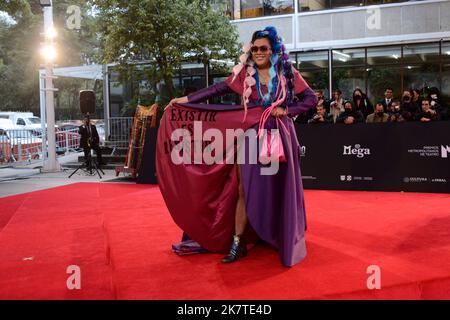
271	147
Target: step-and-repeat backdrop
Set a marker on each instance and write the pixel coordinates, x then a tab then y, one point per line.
410	156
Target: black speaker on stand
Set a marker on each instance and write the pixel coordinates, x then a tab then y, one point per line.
87	102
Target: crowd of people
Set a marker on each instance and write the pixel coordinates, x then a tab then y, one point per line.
412	106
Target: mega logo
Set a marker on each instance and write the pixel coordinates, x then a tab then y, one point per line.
445	151
356	150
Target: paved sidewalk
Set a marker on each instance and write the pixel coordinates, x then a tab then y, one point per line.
15	181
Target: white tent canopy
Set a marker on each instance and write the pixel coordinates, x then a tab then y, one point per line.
90	72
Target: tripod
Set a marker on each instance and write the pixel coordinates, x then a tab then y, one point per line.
89	166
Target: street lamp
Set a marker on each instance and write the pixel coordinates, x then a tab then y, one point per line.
50	33
49	53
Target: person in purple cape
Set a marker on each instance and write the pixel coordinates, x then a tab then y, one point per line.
270	205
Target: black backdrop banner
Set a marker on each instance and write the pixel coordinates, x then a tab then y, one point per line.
409	156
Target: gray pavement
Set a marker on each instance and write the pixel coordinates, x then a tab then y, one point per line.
30	178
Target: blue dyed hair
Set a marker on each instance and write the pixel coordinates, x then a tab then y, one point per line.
280	64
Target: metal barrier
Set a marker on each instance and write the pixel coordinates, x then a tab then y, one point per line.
24	146
119	133
68	140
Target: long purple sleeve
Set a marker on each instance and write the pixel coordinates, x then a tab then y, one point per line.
306	100
218	89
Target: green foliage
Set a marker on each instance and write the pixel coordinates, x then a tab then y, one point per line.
164	34
16	8
20	59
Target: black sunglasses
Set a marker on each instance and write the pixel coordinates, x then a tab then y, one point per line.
263	49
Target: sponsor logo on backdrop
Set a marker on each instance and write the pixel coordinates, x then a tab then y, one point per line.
309	178
363	178
442	151
355	178
356	150
445	151
423	179
415	179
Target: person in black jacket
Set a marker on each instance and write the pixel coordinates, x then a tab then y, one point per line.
388	97
362	103
427	113
350	116
321	116
90	140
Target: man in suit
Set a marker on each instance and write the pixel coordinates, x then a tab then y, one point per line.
388	97
90	140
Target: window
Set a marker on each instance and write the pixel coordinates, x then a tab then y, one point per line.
225	6
193	77
421	64
20	122
259	8
445	79
349	57
275	7
34	120
313	67
314	5
349	71
346	3
384	70
252	8
373	2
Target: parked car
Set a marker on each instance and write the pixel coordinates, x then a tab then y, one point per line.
22	120
68	127
6	124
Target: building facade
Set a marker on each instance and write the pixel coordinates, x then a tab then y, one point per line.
368	44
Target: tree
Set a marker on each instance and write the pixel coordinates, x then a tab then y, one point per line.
16	8
163	33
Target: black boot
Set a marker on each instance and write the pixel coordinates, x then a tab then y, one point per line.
238	249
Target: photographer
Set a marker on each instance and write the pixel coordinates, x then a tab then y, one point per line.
427	114
410	108
305	117
395	112
436	104
349	115
90	140
321	116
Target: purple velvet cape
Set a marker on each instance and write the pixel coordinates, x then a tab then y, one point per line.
274	203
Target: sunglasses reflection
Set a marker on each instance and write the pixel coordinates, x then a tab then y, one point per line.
262	49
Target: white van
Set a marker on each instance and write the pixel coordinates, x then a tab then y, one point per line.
22	120
6	124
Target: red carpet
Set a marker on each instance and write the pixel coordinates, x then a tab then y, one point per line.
120	236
